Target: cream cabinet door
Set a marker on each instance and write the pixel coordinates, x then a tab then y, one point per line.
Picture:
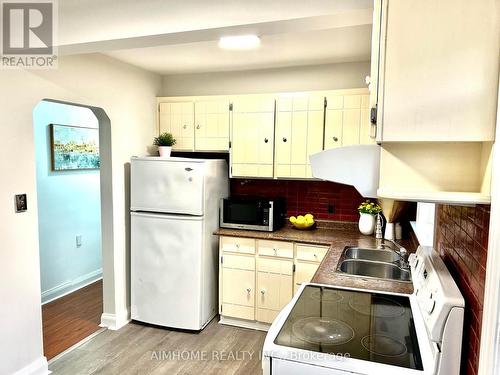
238	286
304	272
438	71
212	125
347	120
252	136
178	119
274	287
299	133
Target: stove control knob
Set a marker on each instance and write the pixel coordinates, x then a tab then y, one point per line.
430	304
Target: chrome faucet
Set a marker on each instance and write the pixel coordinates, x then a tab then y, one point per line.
378	228
398	249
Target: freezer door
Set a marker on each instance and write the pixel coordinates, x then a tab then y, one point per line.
166	256
160	185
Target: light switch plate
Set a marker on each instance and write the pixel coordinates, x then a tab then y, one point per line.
21	204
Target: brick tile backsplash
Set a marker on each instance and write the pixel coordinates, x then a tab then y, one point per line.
462	242
305	196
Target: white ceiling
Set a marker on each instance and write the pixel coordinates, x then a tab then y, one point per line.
292	49
172	36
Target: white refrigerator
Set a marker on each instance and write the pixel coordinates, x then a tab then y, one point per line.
174	254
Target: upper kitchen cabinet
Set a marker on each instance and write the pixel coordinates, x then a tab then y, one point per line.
299	133
252	136
178	118
211	132
436	69
197	123
347	118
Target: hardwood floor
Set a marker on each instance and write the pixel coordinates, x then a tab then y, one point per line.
142	349
71	318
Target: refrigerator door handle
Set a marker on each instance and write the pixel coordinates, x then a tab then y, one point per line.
188	169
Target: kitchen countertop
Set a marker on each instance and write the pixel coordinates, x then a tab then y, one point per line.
337	235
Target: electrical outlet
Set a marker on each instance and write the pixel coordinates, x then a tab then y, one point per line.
79	240
21	204
331	209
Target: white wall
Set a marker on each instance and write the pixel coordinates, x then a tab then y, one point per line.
302	78
68	205
127	94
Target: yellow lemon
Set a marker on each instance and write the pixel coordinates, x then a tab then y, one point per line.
293	219
309	220
309	216
301	220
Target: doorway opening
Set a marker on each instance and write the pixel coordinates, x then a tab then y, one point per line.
69	223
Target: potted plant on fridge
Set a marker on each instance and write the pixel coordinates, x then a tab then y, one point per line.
367	212
164	141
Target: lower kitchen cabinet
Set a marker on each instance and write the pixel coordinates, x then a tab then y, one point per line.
274	287
307	260
238	286
257	278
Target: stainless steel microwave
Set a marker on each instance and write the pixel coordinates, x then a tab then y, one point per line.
252	213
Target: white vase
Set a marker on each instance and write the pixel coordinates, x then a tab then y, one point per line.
165	151
366	223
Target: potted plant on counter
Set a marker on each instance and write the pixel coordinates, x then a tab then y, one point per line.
367	212
164	141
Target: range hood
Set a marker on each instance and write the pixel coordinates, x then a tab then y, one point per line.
357	165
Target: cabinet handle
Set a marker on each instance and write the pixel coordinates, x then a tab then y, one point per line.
266	140
315	255
275	252
237	245
284	139
335	139
185	126
263	292
249	290
198	126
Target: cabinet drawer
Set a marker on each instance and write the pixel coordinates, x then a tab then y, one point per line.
237	245
275	248
311	253
239	262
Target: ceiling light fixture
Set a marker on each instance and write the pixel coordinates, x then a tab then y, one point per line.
239	42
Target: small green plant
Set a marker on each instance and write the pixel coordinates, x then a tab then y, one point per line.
369	208
164	139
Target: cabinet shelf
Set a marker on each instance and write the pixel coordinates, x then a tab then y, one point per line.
455	197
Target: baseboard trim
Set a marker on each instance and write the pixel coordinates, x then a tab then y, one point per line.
68	287
114	322
37	367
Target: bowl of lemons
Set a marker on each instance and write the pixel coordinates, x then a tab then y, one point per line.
303	222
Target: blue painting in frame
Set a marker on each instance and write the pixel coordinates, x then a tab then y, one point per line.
74	148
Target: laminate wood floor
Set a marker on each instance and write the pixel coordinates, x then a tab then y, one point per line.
142	349
69	319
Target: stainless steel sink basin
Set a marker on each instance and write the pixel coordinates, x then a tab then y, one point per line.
371	254
379	270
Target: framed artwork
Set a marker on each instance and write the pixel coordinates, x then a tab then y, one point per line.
74	148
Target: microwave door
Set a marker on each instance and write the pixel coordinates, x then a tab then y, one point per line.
246	215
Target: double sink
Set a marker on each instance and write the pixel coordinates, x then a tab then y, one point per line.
375	263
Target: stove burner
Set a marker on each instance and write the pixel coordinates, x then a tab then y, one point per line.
328	296
316	330
382	307
383	345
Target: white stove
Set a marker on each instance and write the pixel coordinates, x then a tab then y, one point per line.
329	330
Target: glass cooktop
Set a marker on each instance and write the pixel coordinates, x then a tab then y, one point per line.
362	325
